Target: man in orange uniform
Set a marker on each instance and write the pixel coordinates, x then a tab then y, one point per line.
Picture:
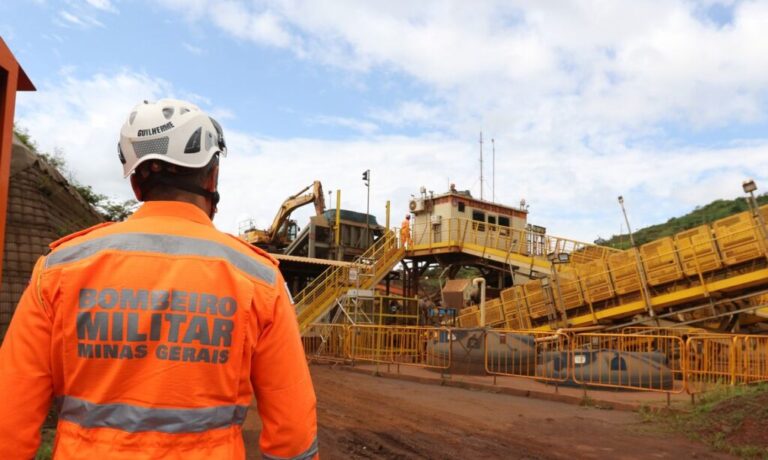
152	335
405	232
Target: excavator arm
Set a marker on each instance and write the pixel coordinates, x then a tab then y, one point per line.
294	202
274	234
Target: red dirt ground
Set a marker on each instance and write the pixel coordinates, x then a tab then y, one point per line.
363	417
744	421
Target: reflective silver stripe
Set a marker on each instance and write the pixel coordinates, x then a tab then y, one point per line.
306	455
127	417
162	244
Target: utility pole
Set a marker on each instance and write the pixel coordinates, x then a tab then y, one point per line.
493	171
367	181
481	165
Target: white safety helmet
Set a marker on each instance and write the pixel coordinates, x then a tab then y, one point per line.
169	130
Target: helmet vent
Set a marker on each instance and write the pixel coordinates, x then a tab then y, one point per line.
208	141
183	110
158	146
132	117
193	144
168	112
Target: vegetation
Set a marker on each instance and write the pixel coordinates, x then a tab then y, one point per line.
700	215
111	210
45	451
730	419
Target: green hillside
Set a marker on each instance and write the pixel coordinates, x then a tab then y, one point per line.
701	215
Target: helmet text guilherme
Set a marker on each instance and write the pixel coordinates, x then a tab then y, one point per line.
155	130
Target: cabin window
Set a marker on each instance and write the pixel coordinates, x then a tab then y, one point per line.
479	220
492	220
462	206
504	221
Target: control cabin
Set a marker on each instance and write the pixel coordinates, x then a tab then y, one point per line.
455	208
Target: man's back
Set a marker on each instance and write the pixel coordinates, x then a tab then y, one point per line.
152	335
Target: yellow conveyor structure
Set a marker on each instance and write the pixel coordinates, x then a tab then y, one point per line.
708	276
704	276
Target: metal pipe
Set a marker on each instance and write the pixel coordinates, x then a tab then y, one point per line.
388	209
481	282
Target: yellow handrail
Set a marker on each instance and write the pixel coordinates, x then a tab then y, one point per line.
373	265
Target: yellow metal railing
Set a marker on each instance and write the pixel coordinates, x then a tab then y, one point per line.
641	362
725	360
367	270
401	345
460	232
326	342
530	354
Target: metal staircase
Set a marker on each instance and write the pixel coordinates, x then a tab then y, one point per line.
365	273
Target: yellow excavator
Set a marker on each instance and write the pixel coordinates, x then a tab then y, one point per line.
283	229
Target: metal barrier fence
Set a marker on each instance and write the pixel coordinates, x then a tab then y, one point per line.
641	361
427	347
637	361
531	354
326	342
718	360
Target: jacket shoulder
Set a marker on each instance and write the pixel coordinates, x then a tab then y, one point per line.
78	234
255	250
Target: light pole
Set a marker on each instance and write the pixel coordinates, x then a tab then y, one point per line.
749	187
367	181
640	269
626	219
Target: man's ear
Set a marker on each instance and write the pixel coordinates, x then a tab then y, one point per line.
212	181
136	188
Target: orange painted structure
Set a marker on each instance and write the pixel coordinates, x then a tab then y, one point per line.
12	79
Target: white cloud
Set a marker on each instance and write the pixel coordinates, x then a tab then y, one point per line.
78	20
574	94
83	118
360	126
104	5
196	50
585	66
573	193
410	112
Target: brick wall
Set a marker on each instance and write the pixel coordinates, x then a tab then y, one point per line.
42	207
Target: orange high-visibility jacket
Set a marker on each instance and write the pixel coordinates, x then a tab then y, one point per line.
405	231
152	336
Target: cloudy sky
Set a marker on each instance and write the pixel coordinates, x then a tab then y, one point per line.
664	102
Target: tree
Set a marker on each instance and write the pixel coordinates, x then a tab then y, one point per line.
111	210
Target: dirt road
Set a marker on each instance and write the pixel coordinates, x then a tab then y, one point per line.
361	416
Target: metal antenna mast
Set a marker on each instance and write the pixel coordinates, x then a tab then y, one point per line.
493	173
481	165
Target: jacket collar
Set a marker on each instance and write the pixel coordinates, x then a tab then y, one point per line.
177	209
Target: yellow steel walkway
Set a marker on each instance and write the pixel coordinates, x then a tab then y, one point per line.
365	273
525	250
